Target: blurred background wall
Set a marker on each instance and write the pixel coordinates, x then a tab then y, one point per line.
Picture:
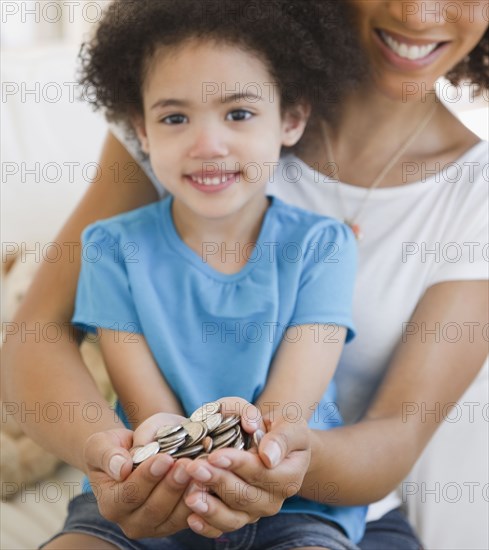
30	23
50	138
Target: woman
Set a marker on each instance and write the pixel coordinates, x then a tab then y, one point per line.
397	208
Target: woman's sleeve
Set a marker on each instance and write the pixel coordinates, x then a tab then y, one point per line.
327	281
104	298
463	252
132	145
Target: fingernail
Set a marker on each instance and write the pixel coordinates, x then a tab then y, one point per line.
272	450
196	525
253	422
193	488
199	507
158	468
115	465
221	462
180	475
202	474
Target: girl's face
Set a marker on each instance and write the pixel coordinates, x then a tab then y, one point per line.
411	43
213	127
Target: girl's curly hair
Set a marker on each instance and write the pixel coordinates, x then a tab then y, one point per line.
114	63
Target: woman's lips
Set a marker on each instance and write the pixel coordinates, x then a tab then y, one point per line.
405	53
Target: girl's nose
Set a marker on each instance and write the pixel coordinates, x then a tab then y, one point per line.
419	15
208	143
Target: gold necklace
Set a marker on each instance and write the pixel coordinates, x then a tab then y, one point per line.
352	222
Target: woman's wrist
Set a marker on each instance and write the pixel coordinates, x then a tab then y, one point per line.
316	464
317	450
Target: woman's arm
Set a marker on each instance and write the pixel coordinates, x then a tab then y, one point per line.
369	459
36	372
300	373
362	463
136	377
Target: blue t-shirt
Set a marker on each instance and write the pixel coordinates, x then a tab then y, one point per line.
213	334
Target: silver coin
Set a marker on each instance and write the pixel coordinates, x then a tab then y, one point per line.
165	446
179	436
227	423
225	439
165	431
146	452
213	421
206	410
191	438
225	445
134	449
196	432
190	451
170	450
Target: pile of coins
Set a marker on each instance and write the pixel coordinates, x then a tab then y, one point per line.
206	430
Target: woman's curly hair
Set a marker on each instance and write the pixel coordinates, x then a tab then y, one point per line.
475	67
114	63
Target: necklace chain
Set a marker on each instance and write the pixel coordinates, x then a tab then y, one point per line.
352	222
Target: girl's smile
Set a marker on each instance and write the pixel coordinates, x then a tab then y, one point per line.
213	182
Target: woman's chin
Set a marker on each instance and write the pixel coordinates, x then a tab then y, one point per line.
406	90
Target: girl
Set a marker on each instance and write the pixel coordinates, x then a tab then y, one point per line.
212	110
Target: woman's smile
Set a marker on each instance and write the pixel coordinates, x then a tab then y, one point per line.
406	43
406	53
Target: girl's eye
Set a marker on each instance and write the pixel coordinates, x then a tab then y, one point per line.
238	115
174	119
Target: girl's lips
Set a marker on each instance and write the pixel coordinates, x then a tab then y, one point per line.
403	63
213	188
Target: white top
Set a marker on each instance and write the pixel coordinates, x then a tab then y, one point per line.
415	235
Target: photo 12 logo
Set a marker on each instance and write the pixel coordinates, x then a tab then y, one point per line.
447	12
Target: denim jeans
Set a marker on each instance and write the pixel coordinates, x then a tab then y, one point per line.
281	532
390	532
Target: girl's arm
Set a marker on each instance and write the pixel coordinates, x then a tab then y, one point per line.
309	351
138	382
300	373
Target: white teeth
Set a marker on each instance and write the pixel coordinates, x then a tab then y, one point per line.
403	50
211	181
408	52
